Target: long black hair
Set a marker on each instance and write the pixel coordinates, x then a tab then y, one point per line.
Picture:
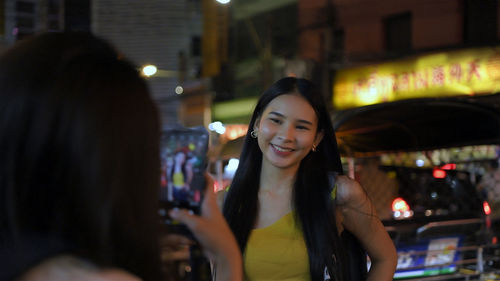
314	207
79	155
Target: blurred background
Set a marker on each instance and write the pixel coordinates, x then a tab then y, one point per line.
411	85
214	58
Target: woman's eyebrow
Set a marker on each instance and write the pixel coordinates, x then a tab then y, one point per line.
277	113
283	116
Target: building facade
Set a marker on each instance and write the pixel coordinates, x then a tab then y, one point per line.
340	34
163	33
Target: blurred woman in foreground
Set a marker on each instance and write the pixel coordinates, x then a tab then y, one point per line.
80	168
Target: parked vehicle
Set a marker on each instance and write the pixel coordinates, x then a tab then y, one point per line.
440	223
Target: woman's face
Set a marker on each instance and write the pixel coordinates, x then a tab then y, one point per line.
287	129
180	157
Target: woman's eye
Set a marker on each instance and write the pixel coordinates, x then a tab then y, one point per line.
302	128
274	120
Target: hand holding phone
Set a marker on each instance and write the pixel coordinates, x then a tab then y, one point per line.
214	235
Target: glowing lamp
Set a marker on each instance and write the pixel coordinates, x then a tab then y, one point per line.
486	208
400	205
149	70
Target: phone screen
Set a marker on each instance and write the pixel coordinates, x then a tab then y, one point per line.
183	161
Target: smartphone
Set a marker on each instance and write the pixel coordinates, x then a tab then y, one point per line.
183	155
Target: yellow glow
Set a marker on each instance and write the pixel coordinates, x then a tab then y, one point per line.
234	108
464	72
234	131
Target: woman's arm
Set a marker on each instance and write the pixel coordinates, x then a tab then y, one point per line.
359	217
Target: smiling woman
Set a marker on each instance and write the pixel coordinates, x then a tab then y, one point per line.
287	132
288	204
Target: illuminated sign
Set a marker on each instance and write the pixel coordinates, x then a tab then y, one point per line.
465	72
235	111
428	257
438	157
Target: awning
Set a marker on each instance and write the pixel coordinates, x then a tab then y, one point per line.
419	124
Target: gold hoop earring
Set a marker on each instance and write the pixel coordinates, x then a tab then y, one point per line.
254	134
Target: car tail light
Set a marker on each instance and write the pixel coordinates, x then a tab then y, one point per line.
439	173
449	166
401	209
399	204
486	208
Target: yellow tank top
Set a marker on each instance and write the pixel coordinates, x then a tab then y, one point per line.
178	179
277	252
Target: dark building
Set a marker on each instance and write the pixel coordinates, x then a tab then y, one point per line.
343	33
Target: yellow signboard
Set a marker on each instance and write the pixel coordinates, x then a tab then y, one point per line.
464	72
234	111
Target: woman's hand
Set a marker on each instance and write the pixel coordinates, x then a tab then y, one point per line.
215	236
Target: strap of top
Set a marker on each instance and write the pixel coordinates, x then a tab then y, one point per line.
333	194
333	184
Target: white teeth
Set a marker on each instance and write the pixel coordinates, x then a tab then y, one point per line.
281	149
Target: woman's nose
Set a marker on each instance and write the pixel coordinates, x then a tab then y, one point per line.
286	132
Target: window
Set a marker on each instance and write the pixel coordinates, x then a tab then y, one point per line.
338	44
25	22
53	25
480	21
398	33
77	14
25	7
195	46
53	7
25	19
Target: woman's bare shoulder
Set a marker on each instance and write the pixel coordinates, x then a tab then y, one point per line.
348	190
66	267
117	275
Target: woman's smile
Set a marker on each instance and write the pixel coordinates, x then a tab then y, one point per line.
282	151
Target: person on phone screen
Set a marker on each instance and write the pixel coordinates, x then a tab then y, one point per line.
288	202
182	175
80	168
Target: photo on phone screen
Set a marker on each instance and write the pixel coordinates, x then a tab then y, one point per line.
183	161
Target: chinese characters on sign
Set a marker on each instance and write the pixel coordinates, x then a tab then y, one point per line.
466	72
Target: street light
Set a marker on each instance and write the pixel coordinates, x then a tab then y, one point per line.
223	1
149	70
218	127
179	90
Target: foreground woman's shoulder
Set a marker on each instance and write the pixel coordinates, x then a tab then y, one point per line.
65	267
117	275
